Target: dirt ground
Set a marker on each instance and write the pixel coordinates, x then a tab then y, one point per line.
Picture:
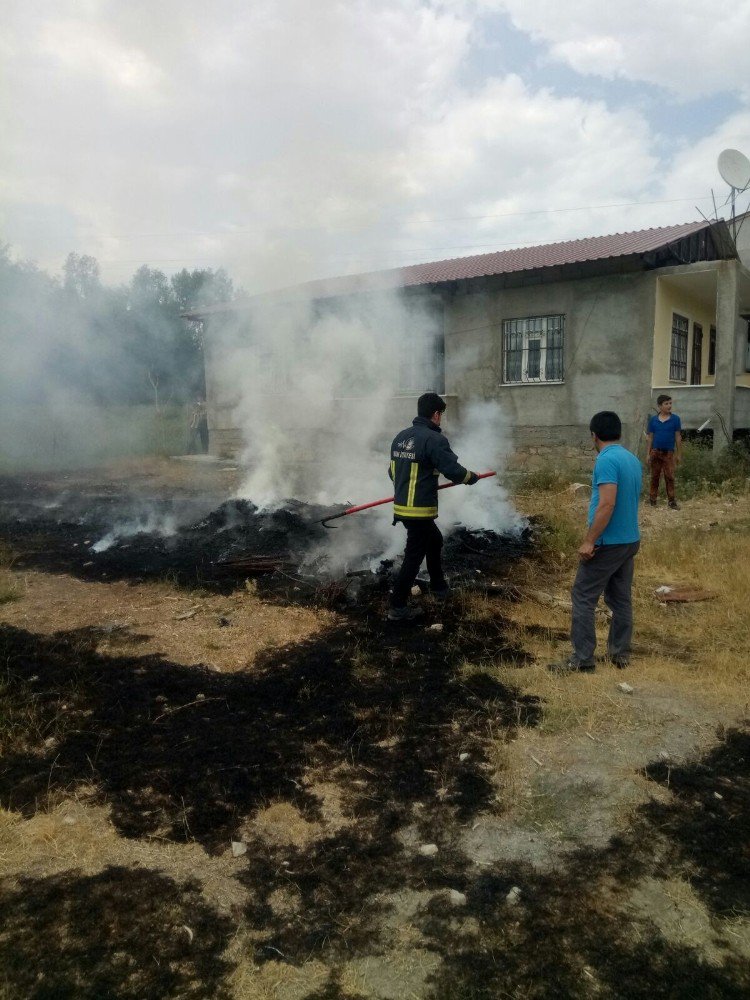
217	794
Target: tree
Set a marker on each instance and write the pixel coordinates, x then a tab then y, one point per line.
193	289
81	275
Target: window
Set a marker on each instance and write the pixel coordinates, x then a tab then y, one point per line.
679	350
421	351
533	349
712	351
697	360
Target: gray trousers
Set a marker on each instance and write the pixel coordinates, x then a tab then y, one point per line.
609	572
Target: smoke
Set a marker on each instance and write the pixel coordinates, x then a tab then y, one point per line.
483	442
318	390
153	523
91	372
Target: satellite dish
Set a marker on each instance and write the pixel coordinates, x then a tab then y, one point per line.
734	168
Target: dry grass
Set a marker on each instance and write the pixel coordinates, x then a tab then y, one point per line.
579	762
9	589
690	670
699	648
149	616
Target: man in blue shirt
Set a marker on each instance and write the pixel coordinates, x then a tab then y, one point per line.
664	435
607	551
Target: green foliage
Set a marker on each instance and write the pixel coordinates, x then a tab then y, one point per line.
544	480
701	472
83	340
558	535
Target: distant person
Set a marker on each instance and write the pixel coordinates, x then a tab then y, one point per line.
664	435
418	455
607	551
198	439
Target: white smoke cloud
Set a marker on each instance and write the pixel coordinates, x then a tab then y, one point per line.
315	390
150	523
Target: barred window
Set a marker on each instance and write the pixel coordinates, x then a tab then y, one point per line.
533	349
679	350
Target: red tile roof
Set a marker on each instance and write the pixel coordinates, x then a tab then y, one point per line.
503	262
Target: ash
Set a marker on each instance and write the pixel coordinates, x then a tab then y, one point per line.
201	540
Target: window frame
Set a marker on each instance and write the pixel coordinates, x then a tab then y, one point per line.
547	331
678	349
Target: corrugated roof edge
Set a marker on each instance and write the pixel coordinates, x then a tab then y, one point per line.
531	258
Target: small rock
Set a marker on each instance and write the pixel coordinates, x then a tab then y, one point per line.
428	850
69	820
463	756
437	627
514	896
50	742
625	688
89	563
238	848
457	898
718	796
416	591
200	697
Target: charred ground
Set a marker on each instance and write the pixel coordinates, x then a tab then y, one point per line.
405	724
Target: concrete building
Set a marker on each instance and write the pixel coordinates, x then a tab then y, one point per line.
556	333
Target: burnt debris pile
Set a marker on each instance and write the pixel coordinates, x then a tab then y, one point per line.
197	540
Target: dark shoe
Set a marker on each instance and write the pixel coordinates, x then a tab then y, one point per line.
404	614
441	593
571	666
617	661
652	502
673	505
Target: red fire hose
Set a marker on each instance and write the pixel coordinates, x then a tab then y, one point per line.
378	503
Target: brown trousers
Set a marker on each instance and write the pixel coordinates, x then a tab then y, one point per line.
662	464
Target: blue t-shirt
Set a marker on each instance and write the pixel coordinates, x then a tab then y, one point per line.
616	464
664	431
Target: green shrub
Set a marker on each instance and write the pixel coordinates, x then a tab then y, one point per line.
544	480
701	472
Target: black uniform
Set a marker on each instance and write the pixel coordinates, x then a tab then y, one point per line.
419	454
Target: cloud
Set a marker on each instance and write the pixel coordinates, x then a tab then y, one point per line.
286	140
692	49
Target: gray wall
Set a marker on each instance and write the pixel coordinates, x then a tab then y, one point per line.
81	435
608	350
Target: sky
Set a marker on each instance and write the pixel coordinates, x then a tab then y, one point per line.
290	140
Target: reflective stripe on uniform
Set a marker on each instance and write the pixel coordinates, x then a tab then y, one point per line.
393	470
401	511
467	477
413	473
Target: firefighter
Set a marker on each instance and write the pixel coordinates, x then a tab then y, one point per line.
419	454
